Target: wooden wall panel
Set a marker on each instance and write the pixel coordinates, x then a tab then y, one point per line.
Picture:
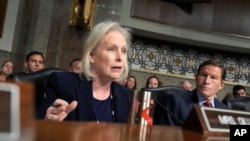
227	16
3	8
223	16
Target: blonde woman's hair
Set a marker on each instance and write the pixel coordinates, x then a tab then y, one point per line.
92	42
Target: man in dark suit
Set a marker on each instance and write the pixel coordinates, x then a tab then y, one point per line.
209	80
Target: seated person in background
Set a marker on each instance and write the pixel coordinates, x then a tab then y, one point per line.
239	91
6	69
75	66
101	98
153	82
131	82
123	81
187	85
34	62
209	80
228	96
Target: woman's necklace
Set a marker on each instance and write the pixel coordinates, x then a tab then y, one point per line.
112	109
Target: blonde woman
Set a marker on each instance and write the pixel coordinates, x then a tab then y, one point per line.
101	98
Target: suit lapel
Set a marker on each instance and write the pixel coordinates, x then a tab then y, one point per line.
217	103
193	99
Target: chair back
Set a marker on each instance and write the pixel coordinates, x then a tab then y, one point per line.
159	95
38	79
242	104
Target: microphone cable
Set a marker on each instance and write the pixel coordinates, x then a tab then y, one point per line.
172	114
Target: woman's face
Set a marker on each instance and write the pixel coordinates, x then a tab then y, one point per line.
131	83
153	83
7	68
110	57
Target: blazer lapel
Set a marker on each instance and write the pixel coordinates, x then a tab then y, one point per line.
116	101
85	101
120	100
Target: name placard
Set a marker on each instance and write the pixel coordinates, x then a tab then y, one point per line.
215	120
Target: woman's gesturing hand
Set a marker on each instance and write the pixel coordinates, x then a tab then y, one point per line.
60	109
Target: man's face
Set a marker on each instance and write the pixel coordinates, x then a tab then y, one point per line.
240	93
209	82
187	86
35	63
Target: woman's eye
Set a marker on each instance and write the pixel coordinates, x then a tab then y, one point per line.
111	49
124	51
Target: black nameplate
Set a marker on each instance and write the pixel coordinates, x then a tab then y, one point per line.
218	120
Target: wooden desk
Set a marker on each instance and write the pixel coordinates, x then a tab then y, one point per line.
27	122
91	131
27	111
34	130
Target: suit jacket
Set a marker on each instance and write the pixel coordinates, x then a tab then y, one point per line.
70	86
180	105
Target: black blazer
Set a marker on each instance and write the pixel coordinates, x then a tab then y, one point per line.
181	104
70	86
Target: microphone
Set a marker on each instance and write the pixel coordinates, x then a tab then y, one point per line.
171	113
